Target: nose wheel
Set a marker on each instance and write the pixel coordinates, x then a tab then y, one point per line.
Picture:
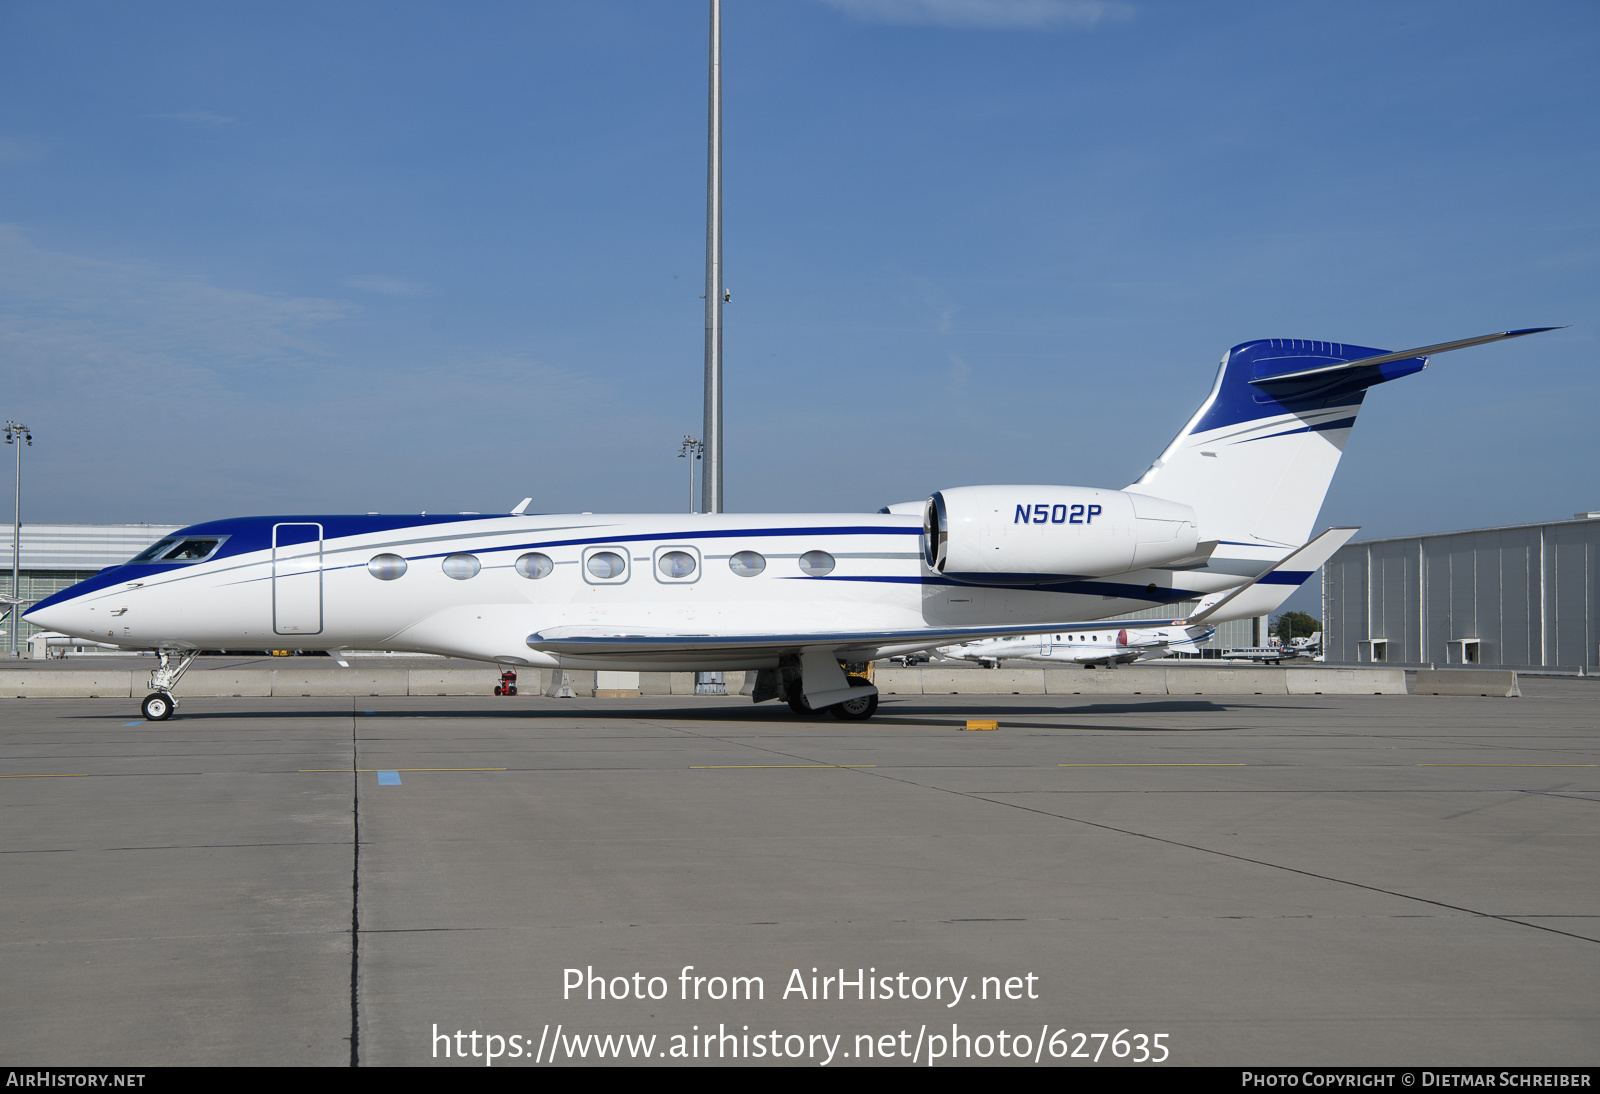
157	706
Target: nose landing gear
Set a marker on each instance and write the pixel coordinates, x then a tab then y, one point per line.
160	703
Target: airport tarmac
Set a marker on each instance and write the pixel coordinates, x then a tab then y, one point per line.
1301	880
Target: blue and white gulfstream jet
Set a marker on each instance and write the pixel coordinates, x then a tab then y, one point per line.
792	595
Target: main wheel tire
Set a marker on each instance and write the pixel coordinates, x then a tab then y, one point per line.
157	706
798	704
856	710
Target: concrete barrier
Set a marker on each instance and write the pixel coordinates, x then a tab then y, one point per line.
666	683
1500	683
1127	680
219	683
982	681
70	683
1345	681
464	681
1118	681
1230	681
897	681
362	681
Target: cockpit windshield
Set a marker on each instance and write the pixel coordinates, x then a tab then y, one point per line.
153	552
185	549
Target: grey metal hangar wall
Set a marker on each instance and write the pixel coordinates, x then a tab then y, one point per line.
1522	596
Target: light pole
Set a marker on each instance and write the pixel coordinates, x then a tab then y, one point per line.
691	447
15	432
716	296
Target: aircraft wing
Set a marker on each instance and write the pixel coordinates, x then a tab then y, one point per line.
849	645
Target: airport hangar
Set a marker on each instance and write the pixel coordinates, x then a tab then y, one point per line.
1523	596
56	556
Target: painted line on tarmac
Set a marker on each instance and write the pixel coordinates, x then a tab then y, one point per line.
762	767
1153	765
360	770
1507	765
388	778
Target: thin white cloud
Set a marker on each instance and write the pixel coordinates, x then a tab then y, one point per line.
389	286
206	118
15	150
68	312
987	14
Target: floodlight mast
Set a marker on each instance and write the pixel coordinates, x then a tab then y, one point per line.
691	447
19	434
711	476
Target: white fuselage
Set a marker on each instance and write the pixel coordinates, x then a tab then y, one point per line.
322	592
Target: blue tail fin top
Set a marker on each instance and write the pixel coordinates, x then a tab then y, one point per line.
1246	390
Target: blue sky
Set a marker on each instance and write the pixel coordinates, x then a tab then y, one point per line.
414	256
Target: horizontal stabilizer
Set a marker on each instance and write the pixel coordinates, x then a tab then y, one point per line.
1402	355
1293	571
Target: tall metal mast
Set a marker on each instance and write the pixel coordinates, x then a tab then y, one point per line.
19	434
711	474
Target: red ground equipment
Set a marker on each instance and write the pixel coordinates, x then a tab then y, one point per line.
508	682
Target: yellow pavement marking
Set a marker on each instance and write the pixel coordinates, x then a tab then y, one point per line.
349	770
751	767
1152	765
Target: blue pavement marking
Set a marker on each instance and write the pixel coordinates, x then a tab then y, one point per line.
388	778
369	712
140	722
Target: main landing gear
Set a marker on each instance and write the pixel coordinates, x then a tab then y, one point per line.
160	703
854	698
857	708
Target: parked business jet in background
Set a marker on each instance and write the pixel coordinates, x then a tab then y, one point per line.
1099	645
790	596
1088	647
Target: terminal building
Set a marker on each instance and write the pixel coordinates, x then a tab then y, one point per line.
1524	596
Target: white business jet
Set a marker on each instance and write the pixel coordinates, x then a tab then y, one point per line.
1099	645
790	596
1087	647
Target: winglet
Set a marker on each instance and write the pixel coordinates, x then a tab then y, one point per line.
522	507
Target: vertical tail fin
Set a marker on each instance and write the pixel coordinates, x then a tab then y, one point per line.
1256	459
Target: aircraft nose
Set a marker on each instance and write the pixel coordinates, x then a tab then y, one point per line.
64	617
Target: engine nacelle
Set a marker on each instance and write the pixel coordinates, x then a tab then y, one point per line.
1029	535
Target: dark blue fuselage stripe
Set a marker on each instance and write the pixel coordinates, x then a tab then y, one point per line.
687	537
